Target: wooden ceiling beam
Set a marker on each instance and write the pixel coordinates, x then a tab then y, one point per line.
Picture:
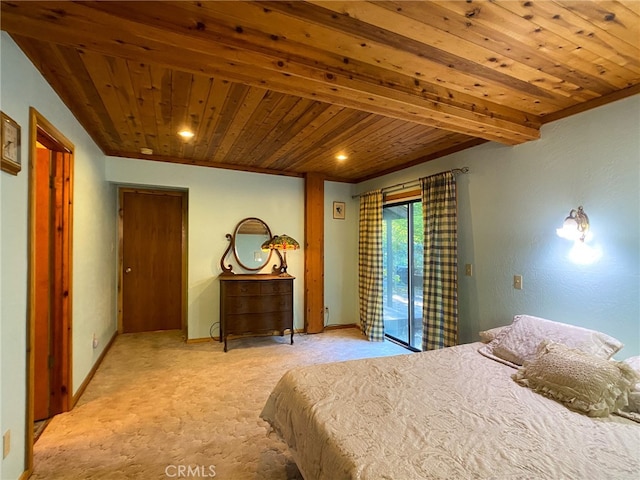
303	31
71	24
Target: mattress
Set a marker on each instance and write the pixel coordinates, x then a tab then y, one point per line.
451	413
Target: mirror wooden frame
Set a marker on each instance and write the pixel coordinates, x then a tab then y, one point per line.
232	247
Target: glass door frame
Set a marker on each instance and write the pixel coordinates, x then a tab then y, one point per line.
388	279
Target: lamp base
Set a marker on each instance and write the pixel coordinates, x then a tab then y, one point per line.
281	271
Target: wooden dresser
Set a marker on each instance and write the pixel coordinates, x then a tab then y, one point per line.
255	304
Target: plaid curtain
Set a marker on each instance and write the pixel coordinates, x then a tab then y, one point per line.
440	290
370	266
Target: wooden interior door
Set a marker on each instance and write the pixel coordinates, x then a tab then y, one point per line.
61	282
152	260
42	292
52	253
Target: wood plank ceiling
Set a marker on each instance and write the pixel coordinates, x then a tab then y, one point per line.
284	87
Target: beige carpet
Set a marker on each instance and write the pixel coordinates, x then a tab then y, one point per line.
158	407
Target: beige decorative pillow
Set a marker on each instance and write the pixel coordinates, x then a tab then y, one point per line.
520	341
634	395
581	381
488	335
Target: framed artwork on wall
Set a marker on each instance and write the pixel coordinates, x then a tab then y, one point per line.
10	144
338	210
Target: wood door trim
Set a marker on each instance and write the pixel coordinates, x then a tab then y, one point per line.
60	143
183	248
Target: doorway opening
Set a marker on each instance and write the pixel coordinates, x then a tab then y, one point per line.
402	247
49	373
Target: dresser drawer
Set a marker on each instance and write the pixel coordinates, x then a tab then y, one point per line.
258	323
258	304
277	286
240	288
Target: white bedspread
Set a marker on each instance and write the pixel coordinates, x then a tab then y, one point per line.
449	414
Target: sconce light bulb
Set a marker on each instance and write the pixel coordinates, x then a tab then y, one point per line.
569	229
575	226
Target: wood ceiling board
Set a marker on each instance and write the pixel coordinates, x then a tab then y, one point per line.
247	150
239	24
455	52
616	53
242	120
312	134
282	87
212	116
311	81
497	41
527	32
286	128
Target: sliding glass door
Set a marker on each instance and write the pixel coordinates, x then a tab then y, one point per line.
403	272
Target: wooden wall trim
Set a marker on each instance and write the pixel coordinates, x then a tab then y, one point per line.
93	371
596	102
314	253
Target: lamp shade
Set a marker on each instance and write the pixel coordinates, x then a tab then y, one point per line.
281	242
569	229
575	226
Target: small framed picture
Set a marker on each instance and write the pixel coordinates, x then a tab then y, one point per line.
10	144
338	210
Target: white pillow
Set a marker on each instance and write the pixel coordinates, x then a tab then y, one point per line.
634	395
581	381
487	335
633	362
518	343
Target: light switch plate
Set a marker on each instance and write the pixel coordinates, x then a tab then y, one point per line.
517	282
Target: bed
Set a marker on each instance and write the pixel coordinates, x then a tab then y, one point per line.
453	413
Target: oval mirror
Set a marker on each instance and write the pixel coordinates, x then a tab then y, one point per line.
249	235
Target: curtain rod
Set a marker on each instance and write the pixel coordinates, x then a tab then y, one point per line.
415	183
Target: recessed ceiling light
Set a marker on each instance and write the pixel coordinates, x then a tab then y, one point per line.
146	151
341	157
186	133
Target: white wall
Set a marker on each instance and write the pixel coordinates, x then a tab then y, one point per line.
93	308
514	198
340	256
218	200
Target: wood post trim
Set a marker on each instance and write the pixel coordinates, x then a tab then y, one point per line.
314	253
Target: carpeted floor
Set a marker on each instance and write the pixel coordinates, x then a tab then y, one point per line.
158	407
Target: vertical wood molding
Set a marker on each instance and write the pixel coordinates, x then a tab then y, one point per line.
314	253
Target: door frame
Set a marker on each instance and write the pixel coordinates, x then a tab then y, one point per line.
184	255
62	296
411	203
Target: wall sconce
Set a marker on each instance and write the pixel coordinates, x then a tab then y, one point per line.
281	243
575	226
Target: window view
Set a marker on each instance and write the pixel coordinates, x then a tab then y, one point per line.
402	247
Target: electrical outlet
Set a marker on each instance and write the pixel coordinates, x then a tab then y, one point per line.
6	444
468	270
517	282
94	343
326	309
